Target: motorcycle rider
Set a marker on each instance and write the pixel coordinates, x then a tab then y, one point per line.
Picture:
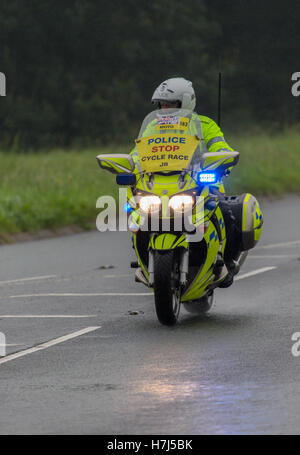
179	93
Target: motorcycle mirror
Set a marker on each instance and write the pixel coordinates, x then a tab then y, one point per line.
116	162
222	160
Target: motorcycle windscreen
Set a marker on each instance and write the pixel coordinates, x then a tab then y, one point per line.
167	140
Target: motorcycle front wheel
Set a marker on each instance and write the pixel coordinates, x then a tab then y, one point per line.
167	294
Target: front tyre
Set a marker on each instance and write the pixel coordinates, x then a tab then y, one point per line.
167	293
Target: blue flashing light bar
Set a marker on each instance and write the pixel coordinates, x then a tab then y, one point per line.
207	177
127	208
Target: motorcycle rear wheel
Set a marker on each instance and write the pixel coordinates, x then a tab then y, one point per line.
167	294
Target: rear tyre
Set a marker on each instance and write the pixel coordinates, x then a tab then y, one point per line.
167	292
200	306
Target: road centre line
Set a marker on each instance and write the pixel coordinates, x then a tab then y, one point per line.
48	344
254	272
279	245
102	294
44	277
271	256
118	294
48	316
118	276
33	278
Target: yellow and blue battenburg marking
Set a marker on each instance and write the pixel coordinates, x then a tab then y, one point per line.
258	223
222	224
213	237
258	217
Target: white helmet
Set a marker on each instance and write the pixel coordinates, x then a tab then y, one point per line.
176	89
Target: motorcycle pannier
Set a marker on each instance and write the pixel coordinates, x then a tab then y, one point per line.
248	219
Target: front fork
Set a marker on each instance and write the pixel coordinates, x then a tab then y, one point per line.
151	267
183	266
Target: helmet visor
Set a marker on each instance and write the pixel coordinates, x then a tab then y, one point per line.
162	103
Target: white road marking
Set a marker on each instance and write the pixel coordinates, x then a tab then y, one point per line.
117	276
254	272
48	316
48	344
116	294
279	245
103	294
32	278
271	256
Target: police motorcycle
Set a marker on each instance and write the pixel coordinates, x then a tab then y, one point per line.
174	212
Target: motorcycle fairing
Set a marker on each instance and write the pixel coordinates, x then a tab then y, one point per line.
205	274
167	241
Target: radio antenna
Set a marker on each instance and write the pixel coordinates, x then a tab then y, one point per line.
219	99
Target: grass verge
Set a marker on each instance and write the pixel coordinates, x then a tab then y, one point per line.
268	165
60	188
50	190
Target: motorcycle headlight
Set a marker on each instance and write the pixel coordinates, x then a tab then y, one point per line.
150	203
181	203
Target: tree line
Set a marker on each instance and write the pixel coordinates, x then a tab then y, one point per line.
82	72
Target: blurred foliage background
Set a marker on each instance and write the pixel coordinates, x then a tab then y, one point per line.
82	72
